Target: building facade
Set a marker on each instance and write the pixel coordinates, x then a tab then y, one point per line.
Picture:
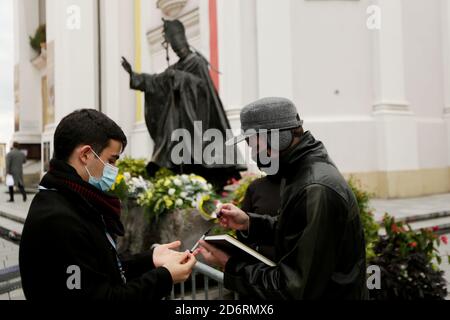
371	78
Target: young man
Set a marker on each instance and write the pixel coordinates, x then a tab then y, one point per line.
67	249
318	237
14	167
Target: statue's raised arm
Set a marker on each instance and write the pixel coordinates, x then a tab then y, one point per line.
138	81
127	66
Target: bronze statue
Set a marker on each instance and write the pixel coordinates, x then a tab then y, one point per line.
175	99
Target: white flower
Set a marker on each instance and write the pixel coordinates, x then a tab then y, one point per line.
127	176
177	182
172	192
183	195
204	186
179	202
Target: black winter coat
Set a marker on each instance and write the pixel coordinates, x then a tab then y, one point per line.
63	230
262	198
318	236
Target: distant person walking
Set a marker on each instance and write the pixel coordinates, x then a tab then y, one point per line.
14	167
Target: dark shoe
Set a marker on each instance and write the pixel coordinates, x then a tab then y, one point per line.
25	199
10	201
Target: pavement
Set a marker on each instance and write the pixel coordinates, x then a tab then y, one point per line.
9	257
413	208
13	215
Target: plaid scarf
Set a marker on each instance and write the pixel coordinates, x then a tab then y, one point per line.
64	178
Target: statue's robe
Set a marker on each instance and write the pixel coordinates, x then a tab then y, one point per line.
177	98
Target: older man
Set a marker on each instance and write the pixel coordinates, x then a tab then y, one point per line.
318	236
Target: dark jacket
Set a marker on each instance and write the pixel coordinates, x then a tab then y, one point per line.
263	198
15	160
318	237
63	229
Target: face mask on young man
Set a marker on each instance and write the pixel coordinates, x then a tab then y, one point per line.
108	178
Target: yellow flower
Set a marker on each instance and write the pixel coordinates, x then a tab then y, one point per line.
198	178
166	183
119	178
168	202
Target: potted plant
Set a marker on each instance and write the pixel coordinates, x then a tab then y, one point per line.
37	42
409	261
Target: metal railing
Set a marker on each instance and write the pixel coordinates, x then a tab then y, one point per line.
206	283
10	280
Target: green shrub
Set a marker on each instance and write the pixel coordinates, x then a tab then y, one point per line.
370	226
409	263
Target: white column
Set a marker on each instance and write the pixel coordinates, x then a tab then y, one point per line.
76	54
110	58
238	59
230	58
396	126
237	56
118	100
29	79
135	47
275	61
446	55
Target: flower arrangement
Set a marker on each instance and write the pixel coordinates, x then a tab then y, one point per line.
165	192
174	192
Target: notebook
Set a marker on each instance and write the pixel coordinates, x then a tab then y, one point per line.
233	246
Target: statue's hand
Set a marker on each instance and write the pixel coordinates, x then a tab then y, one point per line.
127	66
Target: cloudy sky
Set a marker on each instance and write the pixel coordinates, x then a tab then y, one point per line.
6	71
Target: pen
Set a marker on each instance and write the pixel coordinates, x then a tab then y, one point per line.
198	242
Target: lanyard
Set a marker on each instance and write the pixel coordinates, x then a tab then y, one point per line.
119	264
